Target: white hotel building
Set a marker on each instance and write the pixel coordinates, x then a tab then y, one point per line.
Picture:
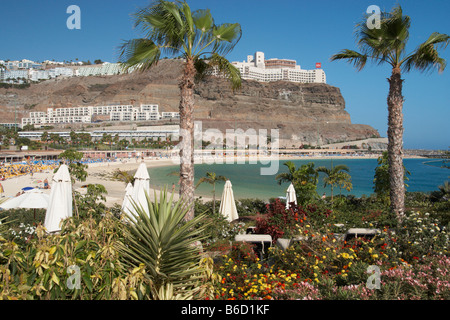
84	114
259	69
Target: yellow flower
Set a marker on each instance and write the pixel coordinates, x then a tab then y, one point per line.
374	256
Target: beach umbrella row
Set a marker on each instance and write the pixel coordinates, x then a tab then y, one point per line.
58	203
137	194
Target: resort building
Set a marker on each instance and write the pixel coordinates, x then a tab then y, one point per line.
151	132
145	112
258	68
105	69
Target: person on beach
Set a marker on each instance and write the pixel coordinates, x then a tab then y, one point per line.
46	186
1	190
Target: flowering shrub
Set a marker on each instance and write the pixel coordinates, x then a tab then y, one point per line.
284	223
420	235
413	262
244	280
429	279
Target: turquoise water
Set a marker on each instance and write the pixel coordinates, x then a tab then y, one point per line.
249	183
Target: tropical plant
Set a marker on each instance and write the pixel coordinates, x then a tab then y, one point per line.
304	179
165	244
77	169
212	179
123	176
172	29
92	202
386	44
334	176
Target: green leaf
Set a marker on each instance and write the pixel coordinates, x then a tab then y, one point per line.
55	278
88	282
227	32
203	20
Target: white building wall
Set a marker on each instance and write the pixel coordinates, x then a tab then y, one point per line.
146	112
254	69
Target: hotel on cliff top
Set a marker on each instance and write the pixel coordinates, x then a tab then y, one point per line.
258	68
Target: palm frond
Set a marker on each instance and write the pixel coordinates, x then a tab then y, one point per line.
139	53
386	43
227	35
223	67
383	44
358	60
426	56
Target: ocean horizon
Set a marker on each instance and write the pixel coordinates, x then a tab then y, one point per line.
426	175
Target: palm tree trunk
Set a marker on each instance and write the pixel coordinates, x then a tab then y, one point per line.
395	143
214	198
187	188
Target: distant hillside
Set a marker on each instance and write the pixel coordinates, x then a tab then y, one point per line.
304	113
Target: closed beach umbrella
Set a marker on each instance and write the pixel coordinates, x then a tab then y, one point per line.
290	195
140	188
227	204
126	204
60	202
33	199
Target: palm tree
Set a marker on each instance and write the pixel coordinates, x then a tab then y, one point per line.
172	29
333	176
123	176
386	44
304	180
212	178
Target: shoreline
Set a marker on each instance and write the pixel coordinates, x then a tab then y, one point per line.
99	173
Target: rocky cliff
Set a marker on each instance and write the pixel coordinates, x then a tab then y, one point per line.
304	113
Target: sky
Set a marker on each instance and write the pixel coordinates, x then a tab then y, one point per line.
303	30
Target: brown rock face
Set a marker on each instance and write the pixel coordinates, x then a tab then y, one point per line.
303	113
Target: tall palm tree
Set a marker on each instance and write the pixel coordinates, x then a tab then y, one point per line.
333	176
212	178
172	29
386	44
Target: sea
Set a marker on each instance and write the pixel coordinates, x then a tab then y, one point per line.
248	182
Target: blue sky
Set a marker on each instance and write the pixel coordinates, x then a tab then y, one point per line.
307	31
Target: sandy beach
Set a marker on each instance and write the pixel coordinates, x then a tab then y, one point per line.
99	173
